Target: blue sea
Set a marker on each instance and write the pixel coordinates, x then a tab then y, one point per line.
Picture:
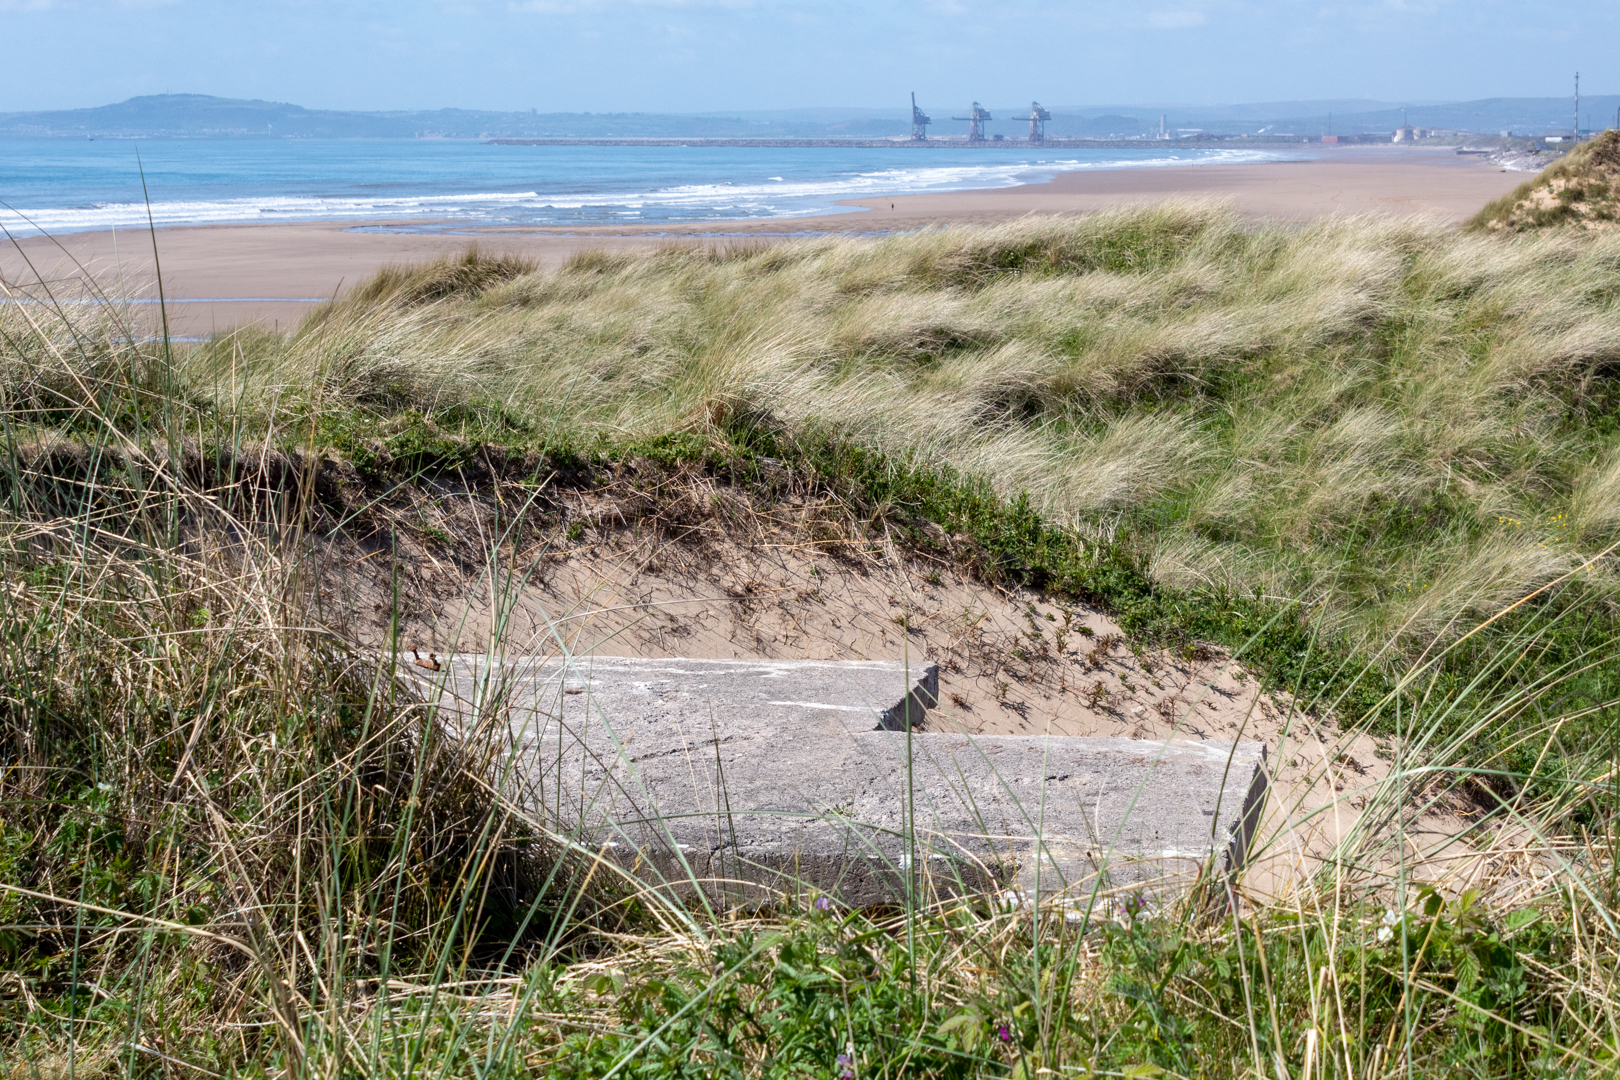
62	186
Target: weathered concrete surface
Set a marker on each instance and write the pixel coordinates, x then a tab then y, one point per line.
650	698
769	776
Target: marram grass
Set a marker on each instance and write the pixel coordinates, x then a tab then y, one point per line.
231	843
1396	424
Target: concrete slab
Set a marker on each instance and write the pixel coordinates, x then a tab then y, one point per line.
757	778
650	698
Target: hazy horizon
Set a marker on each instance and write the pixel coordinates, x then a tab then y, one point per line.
202	116
705	56
830	110
822	109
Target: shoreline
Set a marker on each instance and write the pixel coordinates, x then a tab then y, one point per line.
933	142
540	187
267	274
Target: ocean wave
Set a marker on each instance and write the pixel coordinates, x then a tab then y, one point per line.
237	211
589	200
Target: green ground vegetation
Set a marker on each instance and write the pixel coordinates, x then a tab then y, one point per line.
234	843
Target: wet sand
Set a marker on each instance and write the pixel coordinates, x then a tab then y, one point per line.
216	277
1353	180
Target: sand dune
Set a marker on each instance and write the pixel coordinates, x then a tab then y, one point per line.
222	276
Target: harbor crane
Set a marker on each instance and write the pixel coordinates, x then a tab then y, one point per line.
919	121
977	117
1037	122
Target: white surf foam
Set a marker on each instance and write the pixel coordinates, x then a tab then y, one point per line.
769	196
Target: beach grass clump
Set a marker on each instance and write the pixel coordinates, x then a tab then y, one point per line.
205	789
466	276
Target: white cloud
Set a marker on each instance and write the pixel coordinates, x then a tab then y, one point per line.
1176	20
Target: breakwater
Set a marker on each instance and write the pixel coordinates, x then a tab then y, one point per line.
907	144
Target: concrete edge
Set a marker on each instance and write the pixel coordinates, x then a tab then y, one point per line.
912	711
1248	822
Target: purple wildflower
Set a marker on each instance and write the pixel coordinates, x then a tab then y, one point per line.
824	904
1004	1033
1132	906
846	1067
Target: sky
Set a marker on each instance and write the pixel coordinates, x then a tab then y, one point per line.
720	55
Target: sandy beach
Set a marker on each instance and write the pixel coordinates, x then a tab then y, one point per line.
217	277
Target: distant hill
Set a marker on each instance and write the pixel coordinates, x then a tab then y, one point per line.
199	116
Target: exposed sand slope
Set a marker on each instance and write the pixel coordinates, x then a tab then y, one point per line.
1581	188
797	581
801	580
